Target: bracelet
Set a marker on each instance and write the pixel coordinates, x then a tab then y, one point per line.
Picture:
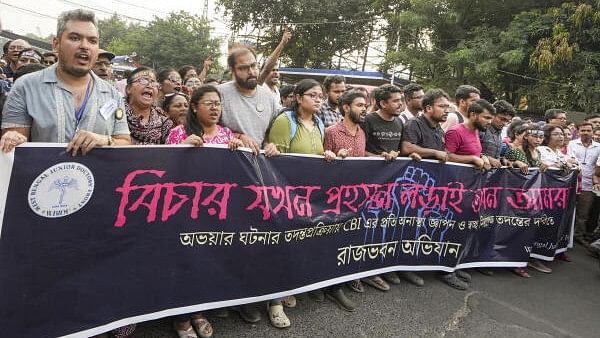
110	141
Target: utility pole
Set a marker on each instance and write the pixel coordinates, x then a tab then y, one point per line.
205	10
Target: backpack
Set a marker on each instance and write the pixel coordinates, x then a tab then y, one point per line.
294	125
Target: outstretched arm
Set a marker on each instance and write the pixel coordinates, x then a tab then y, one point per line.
272	59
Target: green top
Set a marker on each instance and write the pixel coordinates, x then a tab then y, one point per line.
305	141
517	154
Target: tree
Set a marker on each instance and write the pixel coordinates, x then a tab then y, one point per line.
177	40
547	52
324	29
112	28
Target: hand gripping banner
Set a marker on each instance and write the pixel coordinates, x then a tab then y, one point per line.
124	235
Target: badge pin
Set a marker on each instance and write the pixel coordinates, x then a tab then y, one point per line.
119	113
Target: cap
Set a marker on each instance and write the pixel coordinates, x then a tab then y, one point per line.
105	53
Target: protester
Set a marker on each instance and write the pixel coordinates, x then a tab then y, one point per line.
465	96
550	150
423	137
66	87
596	135
491	139
525	155
594	119
192	83
383	130
269	74
200	127
25	116
413	94
49	58
568	136
299	130
286	94
248	108
462	140
169	82
13	50
146	122
586	151
556	116
28	56
176	106
187	71
103	65
335	86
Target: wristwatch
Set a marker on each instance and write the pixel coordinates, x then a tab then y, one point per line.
110	141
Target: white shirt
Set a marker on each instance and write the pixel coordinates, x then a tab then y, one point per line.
587	157
406	116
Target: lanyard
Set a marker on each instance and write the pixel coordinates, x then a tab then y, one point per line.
79	113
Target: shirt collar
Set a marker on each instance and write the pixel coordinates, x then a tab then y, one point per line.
424	119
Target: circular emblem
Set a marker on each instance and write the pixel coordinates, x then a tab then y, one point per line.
61	190
119	113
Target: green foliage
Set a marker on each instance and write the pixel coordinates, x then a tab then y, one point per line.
548	52
180	39
312	45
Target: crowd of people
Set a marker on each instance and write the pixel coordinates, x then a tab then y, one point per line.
70	96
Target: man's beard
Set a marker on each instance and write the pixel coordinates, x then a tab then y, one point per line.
249	83
354	117
479	126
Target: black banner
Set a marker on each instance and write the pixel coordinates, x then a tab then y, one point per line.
125	235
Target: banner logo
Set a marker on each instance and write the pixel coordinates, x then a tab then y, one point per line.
61	190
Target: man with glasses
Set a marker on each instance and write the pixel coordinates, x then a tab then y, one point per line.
247	107
87	112
103	65
424	138
557	117
586	151
14	48
491	137
413	94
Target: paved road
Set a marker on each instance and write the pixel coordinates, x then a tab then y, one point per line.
565	303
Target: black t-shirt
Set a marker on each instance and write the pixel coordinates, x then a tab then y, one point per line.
419	132
382	135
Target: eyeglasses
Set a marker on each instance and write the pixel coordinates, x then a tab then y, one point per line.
314	96
174	80
18	48
103	63
245	68
210	104
146	82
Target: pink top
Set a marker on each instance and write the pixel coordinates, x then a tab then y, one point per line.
460	140
178	135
